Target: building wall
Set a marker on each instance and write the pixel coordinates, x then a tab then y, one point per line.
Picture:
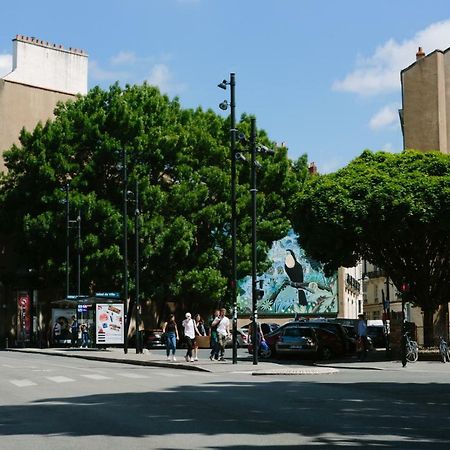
350	292
426	103
23	106
49	66
42	75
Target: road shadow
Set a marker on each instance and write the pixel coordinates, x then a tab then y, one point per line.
391	415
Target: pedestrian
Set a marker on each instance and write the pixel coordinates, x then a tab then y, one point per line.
84	335
200	324
214	343
223	332
171	331
190	331
74	332
362	338
57	332
259	334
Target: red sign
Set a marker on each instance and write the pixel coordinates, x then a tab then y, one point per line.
23	317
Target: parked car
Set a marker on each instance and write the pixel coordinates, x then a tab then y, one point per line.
266	328
294	338
377	336
348	342
242	339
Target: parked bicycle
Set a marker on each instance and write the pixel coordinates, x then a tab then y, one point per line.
444	350
410	350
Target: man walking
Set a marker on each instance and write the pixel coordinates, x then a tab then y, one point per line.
223	331
362	337
214	343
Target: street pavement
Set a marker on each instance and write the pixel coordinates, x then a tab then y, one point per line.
376	360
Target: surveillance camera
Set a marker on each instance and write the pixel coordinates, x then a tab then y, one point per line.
224	105
258	165
241	137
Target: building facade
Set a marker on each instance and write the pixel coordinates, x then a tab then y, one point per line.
425	113
42	75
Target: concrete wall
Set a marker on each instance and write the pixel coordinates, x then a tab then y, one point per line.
23	106
49	66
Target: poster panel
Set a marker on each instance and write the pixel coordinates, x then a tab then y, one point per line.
294	284
109	323
23	316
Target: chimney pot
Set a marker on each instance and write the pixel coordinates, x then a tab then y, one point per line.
420	54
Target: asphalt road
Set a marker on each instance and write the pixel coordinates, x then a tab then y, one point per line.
64	403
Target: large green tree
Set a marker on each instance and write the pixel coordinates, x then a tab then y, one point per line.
391	209
181	160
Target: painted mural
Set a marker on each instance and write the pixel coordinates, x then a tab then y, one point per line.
294	284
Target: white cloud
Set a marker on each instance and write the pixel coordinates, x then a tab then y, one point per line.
386	117
100	74
123	58
5	64
380	72
161	76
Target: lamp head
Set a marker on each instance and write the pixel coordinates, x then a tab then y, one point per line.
240	157
223	84
224	105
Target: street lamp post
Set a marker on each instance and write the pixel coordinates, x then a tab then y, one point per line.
79	254
139	343
253	191
67	240
254	149
224	106
125	248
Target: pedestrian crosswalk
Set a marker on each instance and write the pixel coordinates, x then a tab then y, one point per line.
80	377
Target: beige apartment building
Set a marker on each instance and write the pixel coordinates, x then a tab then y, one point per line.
425	113
42	75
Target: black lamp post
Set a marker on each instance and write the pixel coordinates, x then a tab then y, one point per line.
253	191
254	149
224	106
70	224
67	239
125	248
137	213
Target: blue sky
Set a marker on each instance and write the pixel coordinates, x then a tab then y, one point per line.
321	76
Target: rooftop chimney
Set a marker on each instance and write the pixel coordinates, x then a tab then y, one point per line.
312	169
420	54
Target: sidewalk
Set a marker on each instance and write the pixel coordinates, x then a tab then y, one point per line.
157	358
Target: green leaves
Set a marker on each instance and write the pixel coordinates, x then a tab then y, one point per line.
392	209
181	160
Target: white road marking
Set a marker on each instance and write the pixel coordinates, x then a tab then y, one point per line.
60	379
132	375
96	376
22	383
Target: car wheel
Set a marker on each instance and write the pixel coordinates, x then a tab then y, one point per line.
326	353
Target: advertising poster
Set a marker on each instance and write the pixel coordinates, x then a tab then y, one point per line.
294	284
109	323
24	316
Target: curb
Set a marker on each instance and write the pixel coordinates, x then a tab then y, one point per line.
311	371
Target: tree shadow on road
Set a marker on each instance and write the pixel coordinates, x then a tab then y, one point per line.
354	414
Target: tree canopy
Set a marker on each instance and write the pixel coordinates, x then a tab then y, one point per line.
181	160
390	209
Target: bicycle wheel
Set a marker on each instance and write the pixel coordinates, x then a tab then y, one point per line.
412	353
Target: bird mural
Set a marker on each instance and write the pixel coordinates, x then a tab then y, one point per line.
294	271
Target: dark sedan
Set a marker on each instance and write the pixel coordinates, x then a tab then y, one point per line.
294	338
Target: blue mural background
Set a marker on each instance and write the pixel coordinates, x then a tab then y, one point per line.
280	296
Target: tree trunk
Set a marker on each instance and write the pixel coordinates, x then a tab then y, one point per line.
428	329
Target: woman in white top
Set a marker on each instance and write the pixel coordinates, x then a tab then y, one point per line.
190	330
